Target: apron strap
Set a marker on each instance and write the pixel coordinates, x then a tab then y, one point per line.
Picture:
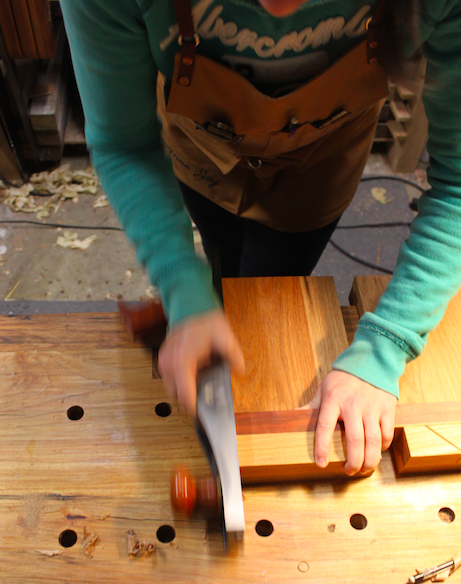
188	40
374	26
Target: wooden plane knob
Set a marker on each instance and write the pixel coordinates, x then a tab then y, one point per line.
145	321
189	493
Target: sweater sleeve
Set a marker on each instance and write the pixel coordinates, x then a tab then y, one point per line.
428	270
116	77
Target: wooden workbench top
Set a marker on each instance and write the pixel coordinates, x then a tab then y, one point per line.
108	472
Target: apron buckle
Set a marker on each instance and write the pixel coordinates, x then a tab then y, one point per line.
195	39
254	162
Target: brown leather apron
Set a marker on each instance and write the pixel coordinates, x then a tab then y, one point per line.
294	162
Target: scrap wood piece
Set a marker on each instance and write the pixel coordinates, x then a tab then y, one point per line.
401	111
88	542
135	547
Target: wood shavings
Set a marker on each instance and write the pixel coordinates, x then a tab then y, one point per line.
69	239
88	542
128	274
85	244
101	201
150	292
379	194
104	516
61	184
49	553
135	547
11	292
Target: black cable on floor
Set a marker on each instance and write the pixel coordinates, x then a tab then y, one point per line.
67	226
333	243
393	224
373	225
359	260
397	178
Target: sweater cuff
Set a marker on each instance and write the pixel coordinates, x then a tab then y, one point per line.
188	292
375	356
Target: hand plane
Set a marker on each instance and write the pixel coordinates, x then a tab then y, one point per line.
217	432
215	424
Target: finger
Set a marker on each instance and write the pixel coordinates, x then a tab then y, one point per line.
373	444
170	385
355	439
166	373
387	429
326	423
186	387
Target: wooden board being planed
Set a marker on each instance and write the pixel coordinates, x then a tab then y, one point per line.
291	330
108	472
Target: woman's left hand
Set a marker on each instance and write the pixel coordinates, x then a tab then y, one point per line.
368	414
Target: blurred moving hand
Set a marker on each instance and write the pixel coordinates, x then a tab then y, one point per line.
189	346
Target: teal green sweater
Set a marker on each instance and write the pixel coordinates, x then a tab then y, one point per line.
117	48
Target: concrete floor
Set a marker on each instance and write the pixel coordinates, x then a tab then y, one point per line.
34	268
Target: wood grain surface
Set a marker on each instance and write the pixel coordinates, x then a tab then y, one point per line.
109	472
9	30
433	377
24	28
291	330
40	16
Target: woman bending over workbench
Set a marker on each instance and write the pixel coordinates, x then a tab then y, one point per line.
268	110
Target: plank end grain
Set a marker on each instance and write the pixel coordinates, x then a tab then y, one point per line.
427	449
366	292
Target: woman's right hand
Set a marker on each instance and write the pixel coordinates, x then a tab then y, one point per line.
189	346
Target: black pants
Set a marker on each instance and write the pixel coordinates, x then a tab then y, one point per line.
248	248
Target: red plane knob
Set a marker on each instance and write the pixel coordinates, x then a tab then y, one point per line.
189	493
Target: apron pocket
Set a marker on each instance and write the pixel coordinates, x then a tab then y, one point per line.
286	141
